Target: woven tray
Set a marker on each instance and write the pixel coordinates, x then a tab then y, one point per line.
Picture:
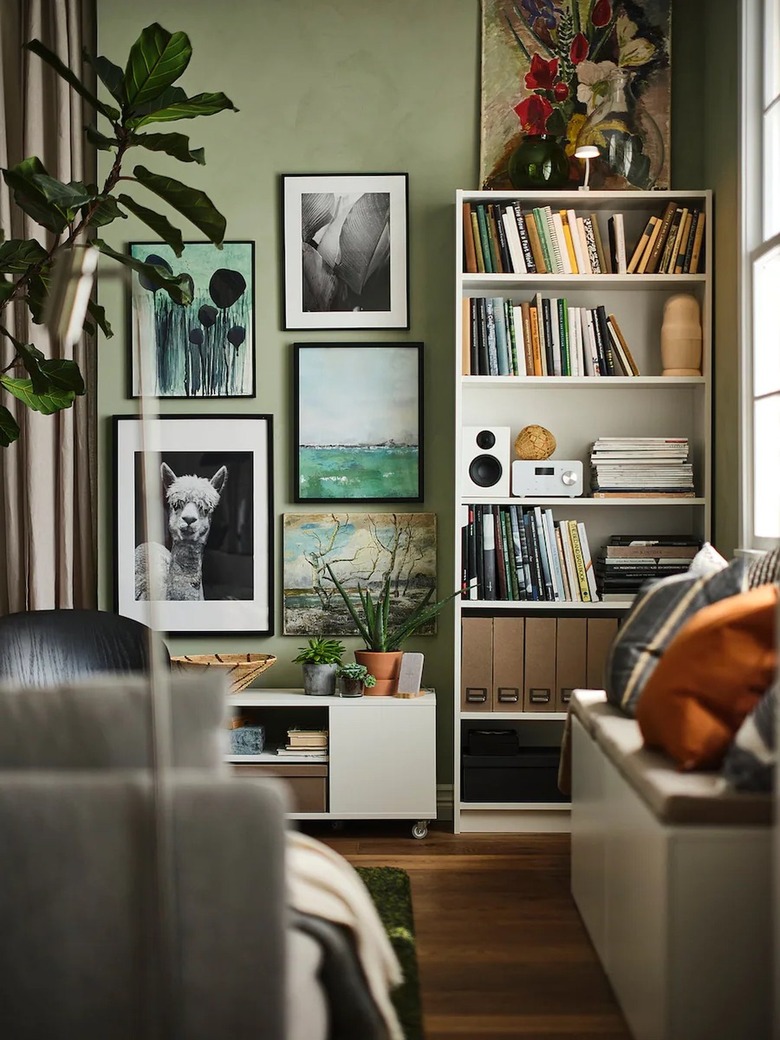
240	669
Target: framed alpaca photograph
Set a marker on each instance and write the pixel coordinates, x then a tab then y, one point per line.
358	422
346	251
204	349
193	522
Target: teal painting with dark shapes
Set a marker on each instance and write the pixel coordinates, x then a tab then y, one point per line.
205	349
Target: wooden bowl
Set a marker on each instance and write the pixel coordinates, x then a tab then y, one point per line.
240	669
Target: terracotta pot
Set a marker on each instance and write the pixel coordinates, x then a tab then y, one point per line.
385	666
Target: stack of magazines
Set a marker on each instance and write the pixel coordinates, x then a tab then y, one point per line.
641	467
629	560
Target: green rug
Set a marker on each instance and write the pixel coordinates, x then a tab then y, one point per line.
392	894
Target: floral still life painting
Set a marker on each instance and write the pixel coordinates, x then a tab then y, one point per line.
587	72
206	348
363	549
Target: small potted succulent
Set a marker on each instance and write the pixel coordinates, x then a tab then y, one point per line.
383	639
353	679
320	659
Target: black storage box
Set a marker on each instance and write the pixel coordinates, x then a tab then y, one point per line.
531	775
492	742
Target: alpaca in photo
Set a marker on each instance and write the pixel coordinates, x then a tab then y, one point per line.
176	573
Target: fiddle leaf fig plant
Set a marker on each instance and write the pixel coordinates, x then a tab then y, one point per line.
145	94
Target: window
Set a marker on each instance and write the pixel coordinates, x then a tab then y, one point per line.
761	273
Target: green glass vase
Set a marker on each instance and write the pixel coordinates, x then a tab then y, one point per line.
539	162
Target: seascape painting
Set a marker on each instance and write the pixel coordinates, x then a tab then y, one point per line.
204	349
588	72
362	549
358	422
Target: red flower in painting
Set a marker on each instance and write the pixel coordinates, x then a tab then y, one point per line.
560	91
542	73
601	14
579	49
533	113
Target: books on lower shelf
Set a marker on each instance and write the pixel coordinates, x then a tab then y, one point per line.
648	467
545	336
305	743
626	562
503	237
518	553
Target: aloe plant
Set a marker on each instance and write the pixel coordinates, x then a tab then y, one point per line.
374	626
145	94
320	651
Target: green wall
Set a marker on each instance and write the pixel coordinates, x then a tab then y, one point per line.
360	86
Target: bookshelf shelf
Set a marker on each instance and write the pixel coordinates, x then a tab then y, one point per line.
578	412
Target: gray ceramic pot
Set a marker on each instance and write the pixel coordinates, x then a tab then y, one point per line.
319	680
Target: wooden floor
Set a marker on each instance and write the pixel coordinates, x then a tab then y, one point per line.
502	951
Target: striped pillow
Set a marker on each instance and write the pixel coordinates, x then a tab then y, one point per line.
765	570
749	764
656	616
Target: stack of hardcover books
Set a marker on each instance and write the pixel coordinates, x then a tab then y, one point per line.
641	467
629	560
305	743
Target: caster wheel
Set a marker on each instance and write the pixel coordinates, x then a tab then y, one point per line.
420	829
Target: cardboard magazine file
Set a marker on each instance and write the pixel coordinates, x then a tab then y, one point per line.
539	685
570	659
476	674
601	632
508	656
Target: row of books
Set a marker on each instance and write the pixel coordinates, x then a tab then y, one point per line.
503	238
671	243
522	553
628	561
305	743
641	467
542	337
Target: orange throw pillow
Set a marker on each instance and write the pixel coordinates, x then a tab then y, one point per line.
709	678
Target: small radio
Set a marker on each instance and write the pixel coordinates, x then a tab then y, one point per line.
548	478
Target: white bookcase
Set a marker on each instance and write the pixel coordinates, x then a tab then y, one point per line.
578	410
381	761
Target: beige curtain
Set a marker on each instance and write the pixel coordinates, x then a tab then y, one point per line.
47	478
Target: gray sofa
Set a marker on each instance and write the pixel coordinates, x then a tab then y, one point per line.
85	867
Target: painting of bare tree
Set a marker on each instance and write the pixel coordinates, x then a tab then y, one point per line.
363	549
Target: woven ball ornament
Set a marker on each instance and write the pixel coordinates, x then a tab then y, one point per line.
534	442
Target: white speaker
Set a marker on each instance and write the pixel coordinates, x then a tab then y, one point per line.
485	462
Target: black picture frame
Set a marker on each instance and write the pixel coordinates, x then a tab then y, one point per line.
202	351
212	498
346	251
358	422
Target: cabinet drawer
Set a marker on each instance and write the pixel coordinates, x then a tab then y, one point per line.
307	785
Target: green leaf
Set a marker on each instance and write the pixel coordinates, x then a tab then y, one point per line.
17	255
30	196
99	315
110	75
38	286
47	404
157	222
70	77
64	374
177	145
184	108
193	204
157	59
32	360
9	431
105	212
6	290
100	141
180	287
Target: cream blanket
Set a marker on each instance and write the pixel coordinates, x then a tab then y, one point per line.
321	882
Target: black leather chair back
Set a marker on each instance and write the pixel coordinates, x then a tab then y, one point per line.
48	647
